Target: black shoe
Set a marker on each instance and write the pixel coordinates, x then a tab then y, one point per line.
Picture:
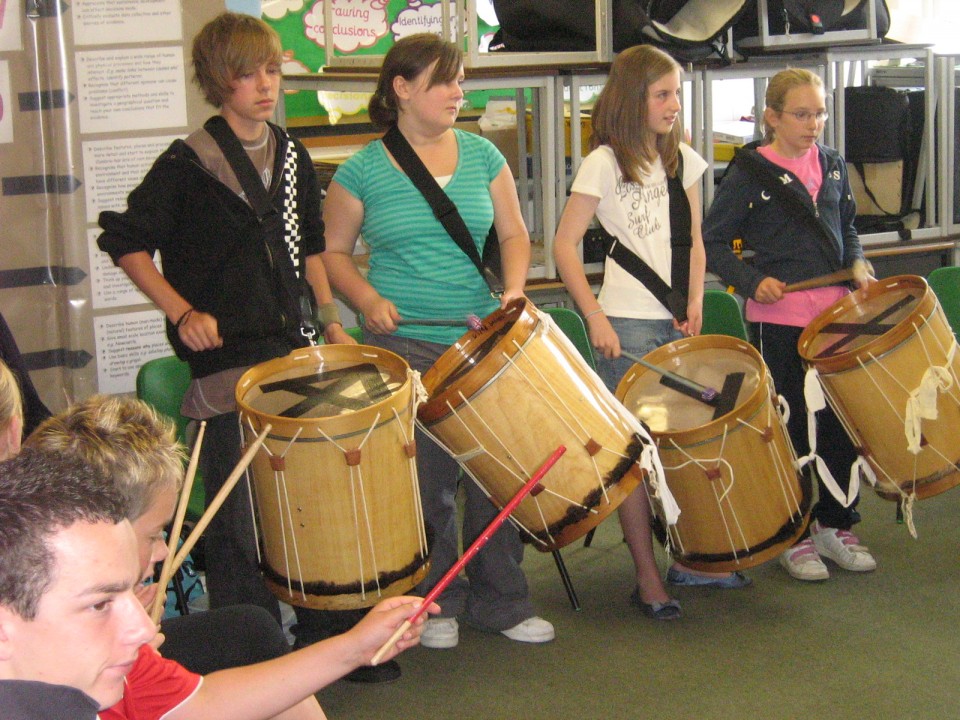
383	673
670	610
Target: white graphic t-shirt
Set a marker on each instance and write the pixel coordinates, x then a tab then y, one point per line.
638	214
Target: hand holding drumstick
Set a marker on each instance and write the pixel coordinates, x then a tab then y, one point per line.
770	290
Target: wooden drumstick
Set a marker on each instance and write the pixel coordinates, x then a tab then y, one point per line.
471	551
165	571
219	499
859	271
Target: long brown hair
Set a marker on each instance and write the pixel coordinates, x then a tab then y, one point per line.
620	113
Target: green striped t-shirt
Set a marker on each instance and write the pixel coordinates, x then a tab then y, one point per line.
414	263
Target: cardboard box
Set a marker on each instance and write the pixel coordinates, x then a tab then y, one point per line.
586	130
505	138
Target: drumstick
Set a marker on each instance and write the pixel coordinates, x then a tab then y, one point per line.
219	499
165	572
471	551
859	271
471	321
706	394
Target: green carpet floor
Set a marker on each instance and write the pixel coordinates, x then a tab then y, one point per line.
873	646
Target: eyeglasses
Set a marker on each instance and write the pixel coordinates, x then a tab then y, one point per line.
805	115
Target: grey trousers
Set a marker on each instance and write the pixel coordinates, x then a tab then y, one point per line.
494	595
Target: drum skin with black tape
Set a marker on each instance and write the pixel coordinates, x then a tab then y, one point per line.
887	360
335	483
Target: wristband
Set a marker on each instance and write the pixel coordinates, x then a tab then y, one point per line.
183	318
328	314
593	312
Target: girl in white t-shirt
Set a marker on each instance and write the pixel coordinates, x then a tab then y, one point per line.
624	183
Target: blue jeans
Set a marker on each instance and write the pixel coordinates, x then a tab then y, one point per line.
637	337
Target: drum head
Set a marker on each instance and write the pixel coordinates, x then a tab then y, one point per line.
708	360
866	321
324	385
477	357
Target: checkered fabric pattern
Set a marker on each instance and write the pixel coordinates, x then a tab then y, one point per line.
291	218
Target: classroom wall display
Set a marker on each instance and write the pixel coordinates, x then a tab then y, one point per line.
361	27
90	92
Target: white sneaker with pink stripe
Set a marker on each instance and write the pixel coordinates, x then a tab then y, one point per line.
843	547
803	562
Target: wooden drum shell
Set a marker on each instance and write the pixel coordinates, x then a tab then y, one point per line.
333	532
868	385
766	501
503	398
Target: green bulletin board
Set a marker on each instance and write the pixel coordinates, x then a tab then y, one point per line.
362	27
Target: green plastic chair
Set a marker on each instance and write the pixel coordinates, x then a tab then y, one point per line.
162	383
945	282
573	327
722	315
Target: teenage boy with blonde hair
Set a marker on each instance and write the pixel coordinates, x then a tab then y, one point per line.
133	451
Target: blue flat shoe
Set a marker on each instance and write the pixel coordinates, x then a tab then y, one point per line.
733	581
669	610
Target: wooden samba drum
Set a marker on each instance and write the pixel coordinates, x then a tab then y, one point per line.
335	483
887	360
504	397
732	470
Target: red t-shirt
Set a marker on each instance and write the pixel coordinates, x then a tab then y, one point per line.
154	687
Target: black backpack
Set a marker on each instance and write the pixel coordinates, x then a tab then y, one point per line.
814	16
689	30
883	132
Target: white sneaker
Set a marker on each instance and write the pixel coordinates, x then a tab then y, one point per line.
803	562
440	633
531	630
843	547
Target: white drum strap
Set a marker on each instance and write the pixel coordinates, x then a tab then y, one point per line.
815	400
784	409
650	461
922	401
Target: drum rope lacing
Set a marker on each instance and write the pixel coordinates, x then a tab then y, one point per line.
417	398
716	463
356	480
280	482
250	500
521	474
790	498
921	404
479	449
649	459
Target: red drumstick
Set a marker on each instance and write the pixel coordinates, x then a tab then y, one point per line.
471	551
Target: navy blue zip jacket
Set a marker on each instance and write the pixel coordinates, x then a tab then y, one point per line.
770	210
